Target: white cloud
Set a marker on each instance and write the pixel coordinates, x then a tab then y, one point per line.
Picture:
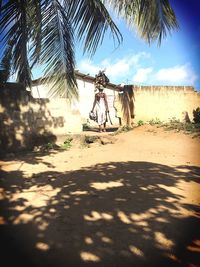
117	71
142	75
87	67
135	68
180	75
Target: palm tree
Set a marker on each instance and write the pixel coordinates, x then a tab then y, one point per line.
43	32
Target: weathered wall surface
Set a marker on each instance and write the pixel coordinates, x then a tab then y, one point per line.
25	121
26	118
150	102
84	104
165	102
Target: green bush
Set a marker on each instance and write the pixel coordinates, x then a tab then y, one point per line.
140	123
67	143
49	145
174	120
86	126
155	121
196	114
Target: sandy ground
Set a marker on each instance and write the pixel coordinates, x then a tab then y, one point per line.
132	203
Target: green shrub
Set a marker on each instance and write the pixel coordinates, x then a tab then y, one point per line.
86	127
174	120
155	121
49	145
67	143
140	123
186	127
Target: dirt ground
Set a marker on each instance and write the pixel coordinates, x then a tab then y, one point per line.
135	202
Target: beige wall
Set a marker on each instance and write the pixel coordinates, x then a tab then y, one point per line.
23	116
82	107
151	102
25	121
165	102
65	118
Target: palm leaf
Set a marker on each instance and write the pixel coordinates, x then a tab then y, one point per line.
91	20
35	26
13	25
57	52
1	4
153	19
5	65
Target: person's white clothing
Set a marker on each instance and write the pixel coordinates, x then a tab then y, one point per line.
101	111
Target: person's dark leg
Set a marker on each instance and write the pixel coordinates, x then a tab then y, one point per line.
100	128
104	127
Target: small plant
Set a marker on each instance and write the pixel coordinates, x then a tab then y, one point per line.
174	120
196	114
155	121
140	123
49	145
86	126
67	143
188	127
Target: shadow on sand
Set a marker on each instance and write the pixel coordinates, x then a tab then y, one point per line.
112	215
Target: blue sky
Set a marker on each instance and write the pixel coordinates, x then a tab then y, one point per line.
175	62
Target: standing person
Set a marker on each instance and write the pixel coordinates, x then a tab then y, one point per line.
100	106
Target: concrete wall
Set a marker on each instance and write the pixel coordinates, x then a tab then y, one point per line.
151	102
26	121
165	102
85	102
24	117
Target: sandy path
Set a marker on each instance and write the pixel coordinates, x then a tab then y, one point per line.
132	203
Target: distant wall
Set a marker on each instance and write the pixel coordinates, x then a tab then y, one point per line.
86	97
25	121
165	102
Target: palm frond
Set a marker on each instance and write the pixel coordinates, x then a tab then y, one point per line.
35	26
57	52
155	25
13	25
91	20
1	4
153	19
5	64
